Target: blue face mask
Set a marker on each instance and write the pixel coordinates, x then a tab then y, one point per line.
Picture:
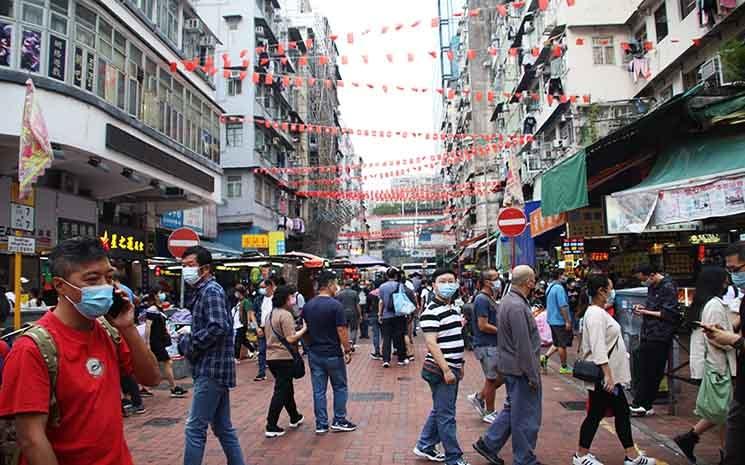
262	291
447	290
162	296
190	274
738	279
95	301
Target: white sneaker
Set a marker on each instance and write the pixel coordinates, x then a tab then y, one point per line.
477	404
641	460
490	418
641	412
588	459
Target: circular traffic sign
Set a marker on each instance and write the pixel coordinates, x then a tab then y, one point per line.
180	240
511	222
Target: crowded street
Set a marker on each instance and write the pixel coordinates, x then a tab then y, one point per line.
331	232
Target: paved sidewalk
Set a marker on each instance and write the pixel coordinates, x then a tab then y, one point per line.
389	406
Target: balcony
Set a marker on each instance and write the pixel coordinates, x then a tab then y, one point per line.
265	20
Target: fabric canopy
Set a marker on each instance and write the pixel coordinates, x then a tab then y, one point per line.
564	186
696	160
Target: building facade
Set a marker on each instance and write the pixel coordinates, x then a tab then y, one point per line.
133	138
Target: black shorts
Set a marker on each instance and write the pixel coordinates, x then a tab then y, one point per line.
561	337
161	354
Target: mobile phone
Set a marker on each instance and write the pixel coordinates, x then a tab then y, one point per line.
117	305
696	324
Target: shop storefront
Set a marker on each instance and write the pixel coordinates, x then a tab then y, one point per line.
127	252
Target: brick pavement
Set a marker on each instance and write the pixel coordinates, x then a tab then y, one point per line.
388	429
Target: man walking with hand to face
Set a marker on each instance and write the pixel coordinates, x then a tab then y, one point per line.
518	347
442	326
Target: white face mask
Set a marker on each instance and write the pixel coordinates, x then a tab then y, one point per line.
190	274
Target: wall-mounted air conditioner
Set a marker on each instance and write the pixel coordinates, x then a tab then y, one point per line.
192	25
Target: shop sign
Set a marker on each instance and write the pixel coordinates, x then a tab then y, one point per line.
194	219
68	229
277	243
56	65
540	224
21	217
706	239
725	197
124	242
255	241
573	246
172	220
599	256
23	245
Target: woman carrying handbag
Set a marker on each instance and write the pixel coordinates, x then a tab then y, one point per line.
711	364
283	360
604	352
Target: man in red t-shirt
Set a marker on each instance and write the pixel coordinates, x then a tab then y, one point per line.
90	430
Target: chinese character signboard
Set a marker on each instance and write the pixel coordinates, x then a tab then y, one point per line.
123	242
56	66
172	220
540	224
24	245
21	217
255	241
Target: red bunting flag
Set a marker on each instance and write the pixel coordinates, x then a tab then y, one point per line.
696	42
344	60
478	96
298	82
309	43
433	54
399	26
557	51
350	37
292	44
323	59
435	22
311	81
475	12
286	81
648	45
573	99
586	98
366	59
471	54
550	99
580	41
451	55
535	96
328	83
563	98
174	66
226	73
389	57
518	5
303	61
451	94
415	23
256	78
280	49
490	96
571	2
191	65
384	29
339	83
543	5
513	52
269	79
493	51
502	10
283	60
535	51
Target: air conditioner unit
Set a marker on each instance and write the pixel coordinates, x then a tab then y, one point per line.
208	41
235	74
192	25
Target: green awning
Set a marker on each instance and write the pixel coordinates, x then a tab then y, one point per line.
727	111
564	186
697	159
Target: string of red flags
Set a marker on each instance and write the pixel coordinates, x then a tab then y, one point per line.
391	233
321	129
513	8
411	194
431	161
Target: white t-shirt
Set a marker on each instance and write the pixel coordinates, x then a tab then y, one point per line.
237	316
266	309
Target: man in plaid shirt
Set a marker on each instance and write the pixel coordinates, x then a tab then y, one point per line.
212	359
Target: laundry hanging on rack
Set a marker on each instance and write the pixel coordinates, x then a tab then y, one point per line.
707	11
639	67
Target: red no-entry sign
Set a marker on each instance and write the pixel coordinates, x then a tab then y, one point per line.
511	222
180	240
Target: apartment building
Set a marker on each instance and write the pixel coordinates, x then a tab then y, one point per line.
132	138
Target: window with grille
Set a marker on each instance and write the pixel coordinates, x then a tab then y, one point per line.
234	187
235	86
234	134
259	189
603	51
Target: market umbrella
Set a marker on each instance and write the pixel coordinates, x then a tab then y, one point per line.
366	261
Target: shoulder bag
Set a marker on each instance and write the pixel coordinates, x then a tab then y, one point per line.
402	305
714	394
590	372
298	366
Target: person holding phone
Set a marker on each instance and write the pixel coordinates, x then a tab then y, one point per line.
708	309
90	363
603	345
661	314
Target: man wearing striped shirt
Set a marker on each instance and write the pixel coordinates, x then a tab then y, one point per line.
442	325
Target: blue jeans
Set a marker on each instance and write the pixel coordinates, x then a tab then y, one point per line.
440	426
262	357
523	426
210	405
375	327
323	369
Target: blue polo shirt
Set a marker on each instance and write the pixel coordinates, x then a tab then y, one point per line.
483	306
555	299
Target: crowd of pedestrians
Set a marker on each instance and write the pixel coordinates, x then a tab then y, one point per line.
83	345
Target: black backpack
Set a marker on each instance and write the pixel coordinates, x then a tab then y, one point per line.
4	308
